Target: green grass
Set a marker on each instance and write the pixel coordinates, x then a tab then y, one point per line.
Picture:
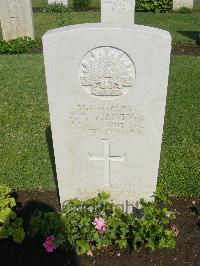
180	157
44	22
183	27
39	3
25	160
197	4
96	4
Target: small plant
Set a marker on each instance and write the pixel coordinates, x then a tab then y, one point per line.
51	226
55	8
81	5
63	13
10	225
152	229
17	46
98	223
94	223
157	6
63	19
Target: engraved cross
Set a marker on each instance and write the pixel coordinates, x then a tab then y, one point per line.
107	158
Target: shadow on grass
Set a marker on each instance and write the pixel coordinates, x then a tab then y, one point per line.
51	155
193	35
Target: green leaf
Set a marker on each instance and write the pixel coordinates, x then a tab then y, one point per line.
4	191
3	232
83	246
59	240
18	235
5	215
122	243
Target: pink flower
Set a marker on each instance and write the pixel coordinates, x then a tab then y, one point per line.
49	244
103	229
100	224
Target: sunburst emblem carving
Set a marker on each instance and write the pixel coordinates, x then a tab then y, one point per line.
107	71
118	5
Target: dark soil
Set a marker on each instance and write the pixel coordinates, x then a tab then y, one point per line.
31	252
37	50
37	9
193	50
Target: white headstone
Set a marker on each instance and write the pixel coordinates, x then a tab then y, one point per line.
16	19
107	104
182	3
118	11
64	2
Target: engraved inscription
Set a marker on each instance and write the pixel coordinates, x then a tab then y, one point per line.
114	119
107	158
107	72
119	5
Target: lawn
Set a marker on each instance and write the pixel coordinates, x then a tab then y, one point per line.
179	167
197	4
183	27
39	3
25	136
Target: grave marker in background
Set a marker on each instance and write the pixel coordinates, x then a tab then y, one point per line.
64	2
182	3
118	11
16	19
107	104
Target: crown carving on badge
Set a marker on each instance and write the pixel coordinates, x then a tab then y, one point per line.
107	71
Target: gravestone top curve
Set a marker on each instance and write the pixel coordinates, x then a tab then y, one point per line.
104	26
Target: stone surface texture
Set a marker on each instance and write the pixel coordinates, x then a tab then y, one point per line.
118	11
107	104
64	2
16	19
182	3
